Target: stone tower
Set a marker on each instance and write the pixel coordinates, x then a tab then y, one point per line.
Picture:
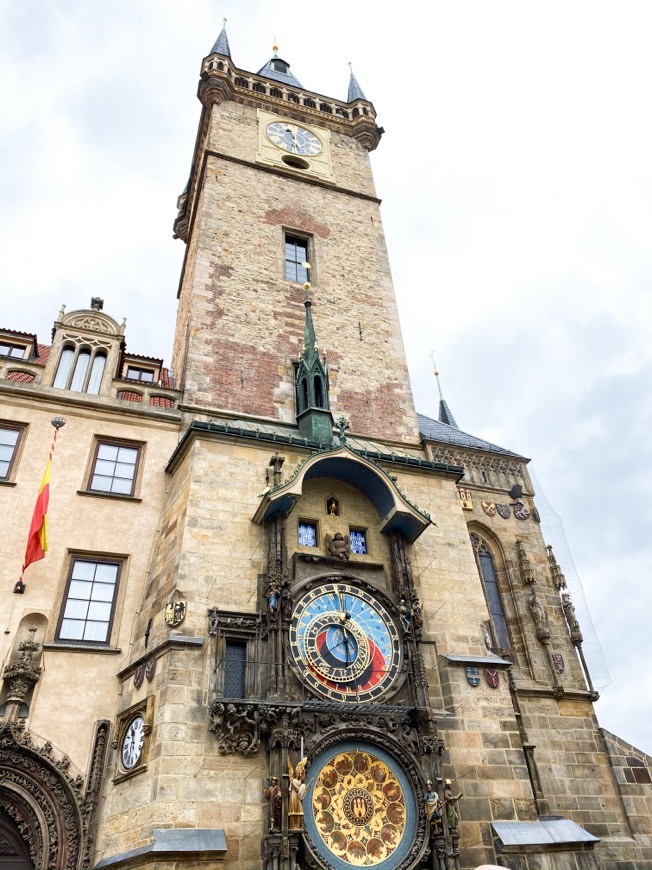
310	627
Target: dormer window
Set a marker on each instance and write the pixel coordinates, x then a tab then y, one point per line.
80	369
15	351
134	373
279	65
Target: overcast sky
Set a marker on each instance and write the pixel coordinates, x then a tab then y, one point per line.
516	178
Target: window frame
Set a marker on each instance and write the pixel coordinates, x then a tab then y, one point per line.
10	345
141	370
21	428
297	236
308	522
77	349
115	442
484	544
360	530
96	559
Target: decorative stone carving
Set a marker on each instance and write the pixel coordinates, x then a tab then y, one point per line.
540	617
557	577
237	727
573	625
21	676
276	463
338	546
524	565
42	797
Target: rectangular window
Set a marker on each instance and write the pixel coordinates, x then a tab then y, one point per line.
358	539
9	441
114	468
296	253
16	351
136	374
235	668
307	534
90	598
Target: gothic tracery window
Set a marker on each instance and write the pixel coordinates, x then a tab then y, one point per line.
489	575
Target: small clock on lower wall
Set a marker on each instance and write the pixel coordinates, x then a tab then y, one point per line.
132	743
360	807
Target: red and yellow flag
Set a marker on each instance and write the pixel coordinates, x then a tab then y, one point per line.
37	541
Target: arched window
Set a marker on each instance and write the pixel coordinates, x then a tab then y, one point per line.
304	390
63	369
489	575
97	370
80	369
319	396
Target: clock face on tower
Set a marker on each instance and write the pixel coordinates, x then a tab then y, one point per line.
344	643
293	138
132	743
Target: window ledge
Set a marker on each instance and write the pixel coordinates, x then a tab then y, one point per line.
7	483
71	646
111	495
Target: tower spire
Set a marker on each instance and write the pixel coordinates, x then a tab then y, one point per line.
222	43
355	91
314	418
445	414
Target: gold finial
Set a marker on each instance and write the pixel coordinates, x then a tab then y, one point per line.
224	22
436	373
275	46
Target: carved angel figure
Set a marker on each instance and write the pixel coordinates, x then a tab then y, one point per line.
297	792
338	546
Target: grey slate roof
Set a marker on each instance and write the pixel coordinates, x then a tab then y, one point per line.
355	91
222	44
286	78
434	430
446	415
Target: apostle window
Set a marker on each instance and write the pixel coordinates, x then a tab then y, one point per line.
114	468
89	601
307	533
358	539
296	254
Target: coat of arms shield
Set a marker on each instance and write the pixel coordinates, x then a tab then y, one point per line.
472	676
492	677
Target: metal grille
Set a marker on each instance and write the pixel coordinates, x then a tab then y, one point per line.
235	665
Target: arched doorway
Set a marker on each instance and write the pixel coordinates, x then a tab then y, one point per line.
40	820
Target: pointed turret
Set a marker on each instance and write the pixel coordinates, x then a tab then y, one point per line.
222	43
355	91
279	70
445	413
314	418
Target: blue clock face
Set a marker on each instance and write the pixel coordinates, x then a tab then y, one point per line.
293	138
344	643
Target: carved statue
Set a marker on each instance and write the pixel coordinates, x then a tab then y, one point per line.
450	802
433	809
276	463
406	614
272	595
286	602
332	507
569	612
539	616
297	793
275	800
338	546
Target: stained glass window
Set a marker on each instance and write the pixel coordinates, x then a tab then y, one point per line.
358	539
492	593
307	534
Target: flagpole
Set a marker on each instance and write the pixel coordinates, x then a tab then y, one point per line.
37	542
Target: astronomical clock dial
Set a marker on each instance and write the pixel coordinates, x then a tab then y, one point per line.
359	807
344	643
293	138
132	743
